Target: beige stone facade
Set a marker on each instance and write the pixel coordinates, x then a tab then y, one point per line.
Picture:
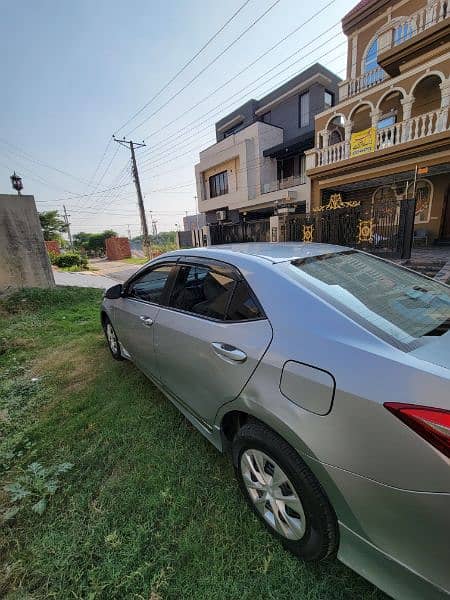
398	90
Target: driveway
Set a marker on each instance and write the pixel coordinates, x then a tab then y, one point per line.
114	269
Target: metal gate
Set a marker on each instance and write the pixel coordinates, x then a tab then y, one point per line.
383	227
250	231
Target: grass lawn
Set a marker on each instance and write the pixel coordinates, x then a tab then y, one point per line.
149	510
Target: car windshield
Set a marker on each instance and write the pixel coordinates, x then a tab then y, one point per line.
387	299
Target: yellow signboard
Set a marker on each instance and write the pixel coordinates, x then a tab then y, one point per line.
363	141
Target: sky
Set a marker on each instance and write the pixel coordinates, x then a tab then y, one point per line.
74	73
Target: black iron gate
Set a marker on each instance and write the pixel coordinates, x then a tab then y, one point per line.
250	231
381	227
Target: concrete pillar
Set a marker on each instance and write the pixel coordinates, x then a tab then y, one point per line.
375	114
407	104
325	138
274	225
445	103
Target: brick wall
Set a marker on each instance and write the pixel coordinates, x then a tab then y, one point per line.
53	246
118	248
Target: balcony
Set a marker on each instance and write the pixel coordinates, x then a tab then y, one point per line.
410	130
402	40
283	184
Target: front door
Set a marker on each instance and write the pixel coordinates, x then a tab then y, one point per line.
136	312
210	338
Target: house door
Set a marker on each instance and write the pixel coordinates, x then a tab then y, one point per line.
446	221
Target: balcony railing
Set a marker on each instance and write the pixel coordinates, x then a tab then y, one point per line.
415	128
282	184
395	36
363	82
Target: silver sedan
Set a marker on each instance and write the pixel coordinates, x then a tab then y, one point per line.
326	373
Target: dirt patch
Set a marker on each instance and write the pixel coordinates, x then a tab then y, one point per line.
69	365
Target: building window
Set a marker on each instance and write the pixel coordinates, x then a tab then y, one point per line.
304	110
232	130
370	62
402	33
218	184
387	121
302	168
328	99
267	117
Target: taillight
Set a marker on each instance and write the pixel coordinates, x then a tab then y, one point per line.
433	424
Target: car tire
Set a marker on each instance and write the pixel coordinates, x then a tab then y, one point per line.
298	512
111	339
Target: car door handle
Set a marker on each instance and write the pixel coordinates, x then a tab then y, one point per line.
227	351
146	321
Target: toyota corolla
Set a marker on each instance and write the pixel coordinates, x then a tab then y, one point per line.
325	372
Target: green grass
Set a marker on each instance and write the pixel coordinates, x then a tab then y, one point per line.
149	510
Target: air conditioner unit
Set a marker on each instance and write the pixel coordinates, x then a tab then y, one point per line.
221	215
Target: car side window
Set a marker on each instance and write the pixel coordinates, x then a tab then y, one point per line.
243	305
202	291
150	286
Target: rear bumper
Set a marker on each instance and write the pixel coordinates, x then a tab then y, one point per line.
397	539
382	570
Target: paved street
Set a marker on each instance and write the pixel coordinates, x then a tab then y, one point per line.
83	280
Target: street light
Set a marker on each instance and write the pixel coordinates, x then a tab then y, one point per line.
16	182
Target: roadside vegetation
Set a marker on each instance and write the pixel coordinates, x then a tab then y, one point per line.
106	490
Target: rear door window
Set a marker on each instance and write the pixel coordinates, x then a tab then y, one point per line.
202	291
243	305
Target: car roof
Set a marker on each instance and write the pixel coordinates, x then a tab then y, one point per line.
272	252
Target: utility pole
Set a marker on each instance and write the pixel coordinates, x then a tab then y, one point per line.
146	244
66	220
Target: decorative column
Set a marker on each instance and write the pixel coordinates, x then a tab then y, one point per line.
407	104
441	124
348	126
375	114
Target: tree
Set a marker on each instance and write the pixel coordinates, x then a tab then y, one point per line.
92	243
52	225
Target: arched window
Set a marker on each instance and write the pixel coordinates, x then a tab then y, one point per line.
370	62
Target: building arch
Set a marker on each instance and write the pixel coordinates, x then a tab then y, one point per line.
344	119
439	74
358	107
390	91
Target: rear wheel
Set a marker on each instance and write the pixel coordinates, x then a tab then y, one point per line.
112	339
283	492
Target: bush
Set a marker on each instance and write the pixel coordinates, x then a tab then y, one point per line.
53	257
70	259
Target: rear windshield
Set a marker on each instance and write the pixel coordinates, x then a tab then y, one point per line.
391	301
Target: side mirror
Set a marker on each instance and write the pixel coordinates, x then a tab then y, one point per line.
114	292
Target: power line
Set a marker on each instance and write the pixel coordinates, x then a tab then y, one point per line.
251	64
223	102
215	59
183	68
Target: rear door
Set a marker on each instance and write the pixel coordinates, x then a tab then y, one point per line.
210	338
136	312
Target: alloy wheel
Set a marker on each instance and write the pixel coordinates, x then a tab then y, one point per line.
112	338
273	494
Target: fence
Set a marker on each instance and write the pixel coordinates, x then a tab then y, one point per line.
382	227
